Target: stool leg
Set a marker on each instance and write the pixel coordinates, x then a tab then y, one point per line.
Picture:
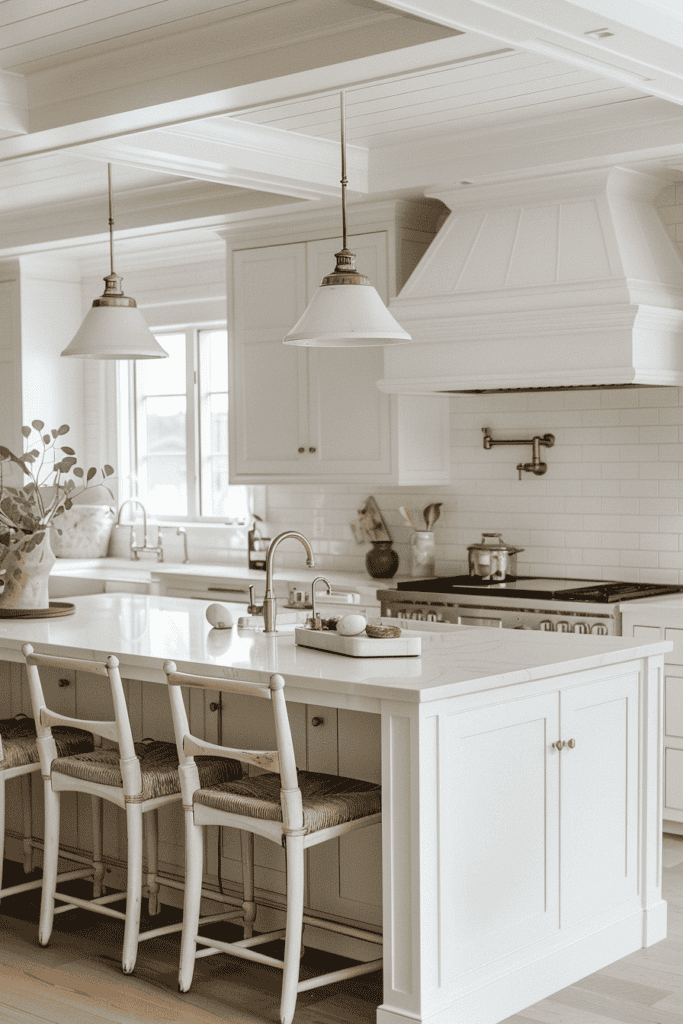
2	824
133	888
152	862
50	860
98	864
194	866
26	796
248	905
295	910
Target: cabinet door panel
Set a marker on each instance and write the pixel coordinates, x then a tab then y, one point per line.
599	797
498	829
345	875
269	410
675	657
349	417
673	705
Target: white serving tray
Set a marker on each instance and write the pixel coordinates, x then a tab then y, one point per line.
358	646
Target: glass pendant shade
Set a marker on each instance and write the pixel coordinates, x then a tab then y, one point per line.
346	311
114	327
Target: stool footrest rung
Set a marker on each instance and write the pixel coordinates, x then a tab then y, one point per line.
97	905
342	975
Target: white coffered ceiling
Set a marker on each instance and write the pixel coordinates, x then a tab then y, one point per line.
215	110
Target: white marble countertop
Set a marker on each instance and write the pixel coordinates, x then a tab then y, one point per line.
147	569
143	631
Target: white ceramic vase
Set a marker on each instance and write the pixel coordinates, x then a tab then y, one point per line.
26	574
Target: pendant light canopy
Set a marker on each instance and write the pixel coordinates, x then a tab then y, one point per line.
114	327
346	310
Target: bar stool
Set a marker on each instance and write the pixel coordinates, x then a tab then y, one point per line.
19	758
138	777
293	809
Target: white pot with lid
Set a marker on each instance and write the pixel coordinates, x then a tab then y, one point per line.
493	559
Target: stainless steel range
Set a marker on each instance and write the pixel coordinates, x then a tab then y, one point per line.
521	602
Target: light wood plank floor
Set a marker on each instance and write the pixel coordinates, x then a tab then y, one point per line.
77	978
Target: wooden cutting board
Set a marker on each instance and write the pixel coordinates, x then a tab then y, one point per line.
358	646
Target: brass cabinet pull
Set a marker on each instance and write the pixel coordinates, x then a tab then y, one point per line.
312	450
317	721
558	744
301	451
571	743
214	705
64	682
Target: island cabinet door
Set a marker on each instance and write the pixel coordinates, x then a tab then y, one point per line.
495	851
345	874
598	796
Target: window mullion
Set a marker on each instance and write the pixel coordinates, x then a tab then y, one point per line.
192	424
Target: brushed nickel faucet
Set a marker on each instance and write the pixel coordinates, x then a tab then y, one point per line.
269	603
145	546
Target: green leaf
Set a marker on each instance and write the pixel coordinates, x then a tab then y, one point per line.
91	473
67	463
68	503
54	433
26	431
69	451
17	574
78	471
38	537
108	470
37	424
64	429
46	438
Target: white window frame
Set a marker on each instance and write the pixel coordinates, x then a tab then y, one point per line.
127	432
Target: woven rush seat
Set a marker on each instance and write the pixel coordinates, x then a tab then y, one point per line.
158	767
19	742
328	800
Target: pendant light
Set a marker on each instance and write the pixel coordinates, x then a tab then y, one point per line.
346	310
114	327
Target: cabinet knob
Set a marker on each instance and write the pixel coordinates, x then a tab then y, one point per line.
311	450
558	744
317	721
571	743
64	682
214	705
301	451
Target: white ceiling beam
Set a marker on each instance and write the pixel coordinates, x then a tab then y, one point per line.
145	106
643	47
241	154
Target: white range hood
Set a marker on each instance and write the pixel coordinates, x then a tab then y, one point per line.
565	281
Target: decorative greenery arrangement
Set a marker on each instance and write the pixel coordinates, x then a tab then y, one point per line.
27	512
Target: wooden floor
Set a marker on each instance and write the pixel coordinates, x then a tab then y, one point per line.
77	979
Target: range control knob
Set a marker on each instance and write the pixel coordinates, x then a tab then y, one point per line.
545	624
599	629
580	627
562	626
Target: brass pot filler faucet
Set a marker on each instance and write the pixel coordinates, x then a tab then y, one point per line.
535	466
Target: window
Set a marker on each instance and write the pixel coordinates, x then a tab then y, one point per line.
177	434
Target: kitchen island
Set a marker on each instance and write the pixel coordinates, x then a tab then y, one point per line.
521	774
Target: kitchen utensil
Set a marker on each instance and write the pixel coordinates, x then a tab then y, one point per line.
492	559
408	517
431	514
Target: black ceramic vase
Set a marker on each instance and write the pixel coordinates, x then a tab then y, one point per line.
381	560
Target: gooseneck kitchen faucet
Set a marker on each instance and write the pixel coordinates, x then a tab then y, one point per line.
269	603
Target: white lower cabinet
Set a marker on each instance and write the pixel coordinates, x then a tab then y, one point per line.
661	618
528	849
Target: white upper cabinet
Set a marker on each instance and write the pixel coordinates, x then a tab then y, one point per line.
316	415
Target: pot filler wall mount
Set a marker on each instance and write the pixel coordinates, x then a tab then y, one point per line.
536	466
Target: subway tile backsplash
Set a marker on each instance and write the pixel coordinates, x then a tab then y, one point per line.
609	507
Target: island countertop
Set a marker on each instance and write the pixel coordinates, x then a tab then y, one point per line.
143	631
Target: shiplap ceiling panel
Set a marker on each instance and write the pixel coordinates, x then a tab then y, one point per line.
482	93
41	35
66	177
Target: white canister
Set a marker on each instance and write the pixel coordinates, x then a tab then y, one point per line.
422	553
